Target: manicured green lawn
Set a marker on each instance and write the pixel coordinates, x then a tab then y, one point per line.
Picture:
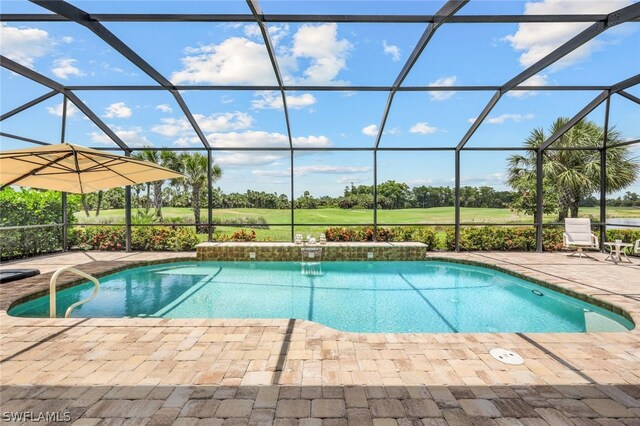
438	215
341	216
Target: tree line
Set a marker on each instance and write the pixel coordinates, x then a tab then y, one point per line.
571	180
391	195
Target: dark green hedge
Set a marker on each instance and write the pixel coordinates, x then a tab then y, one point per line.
31	207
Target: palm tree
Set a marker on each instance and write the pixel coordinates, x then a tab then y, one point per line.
162	158
572	175
194	169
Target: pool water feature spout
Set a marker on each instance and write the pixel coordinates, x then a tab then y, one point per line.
311	260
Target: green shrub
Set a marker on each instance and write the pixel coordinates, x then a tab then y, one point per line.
626	235
97	238
145	238
257	222
244	235
241	235
552	238
340	234
32	207
397	233
426	236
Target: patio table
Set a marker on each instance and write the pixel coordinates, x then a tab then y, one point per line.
616	251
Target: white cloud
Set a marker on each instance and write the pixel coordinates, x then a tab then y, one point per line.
236	60
57	109
370	130
271	173
24	45
111	68
494	179
117	110
351	179
259	138
443	81
276	32
67	39
506	117
320	45
64	67
187	141
225	99
221	122
254	138
164	108
273	100
536	40
132	136
391	50
327	169
536	80
312	141
423	128
247	159
224	121
252	31
244	60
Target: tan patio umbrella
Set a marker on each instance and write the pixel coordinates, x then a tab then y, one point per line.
72	168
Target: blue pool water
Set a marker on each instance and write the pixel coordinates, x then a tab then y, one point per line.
429	297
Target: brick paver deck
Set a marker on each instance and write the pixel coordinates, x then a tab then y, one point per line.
292	372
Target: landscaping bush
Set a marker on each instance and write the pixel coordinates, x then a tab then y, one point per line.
398	233
552	238
97	238
626	235
427	236
246	235
32	207
363	233
498	238
340	234
521	238
150	238
257	222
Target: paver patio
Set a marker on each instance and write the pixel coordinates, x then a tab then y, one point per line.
293	372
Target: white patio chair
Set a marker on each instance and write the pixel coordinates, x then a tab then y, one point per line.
636	248
578	236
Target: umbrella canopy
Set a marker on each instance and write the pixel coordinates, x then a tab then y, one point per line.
72	168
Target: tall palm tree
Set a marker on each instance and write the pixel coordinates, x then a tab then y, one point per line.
162	158
572	175
194	169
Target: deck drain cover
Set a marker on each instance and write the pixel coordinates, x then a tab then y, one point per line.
506	356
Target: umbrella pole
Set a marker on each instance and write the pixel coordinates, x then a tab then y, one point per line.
127	213
65	219
65	222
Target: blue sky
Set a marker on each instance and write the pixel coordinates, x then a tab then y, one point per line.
319	54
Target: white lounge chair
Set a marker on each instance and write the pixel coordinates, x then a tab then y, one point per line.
636	248
578	236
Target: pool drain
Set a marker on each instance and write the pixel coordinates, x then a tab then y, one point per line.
537	292
506	356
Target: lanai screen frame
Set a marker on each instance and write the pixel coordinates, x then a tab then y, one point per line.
63	11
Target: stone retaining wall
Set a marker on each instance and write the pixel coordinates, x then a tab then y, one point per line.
293	252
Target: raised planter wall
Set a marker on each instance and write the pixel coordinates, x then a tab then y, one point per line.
293	252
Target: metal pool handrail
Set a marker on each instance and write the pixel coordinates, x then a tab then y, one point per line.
52	290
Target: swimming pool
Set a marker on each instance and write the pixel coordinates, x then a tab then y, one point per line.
374	297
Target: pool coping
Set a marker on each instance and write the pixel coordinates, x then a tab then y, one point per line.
67	281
